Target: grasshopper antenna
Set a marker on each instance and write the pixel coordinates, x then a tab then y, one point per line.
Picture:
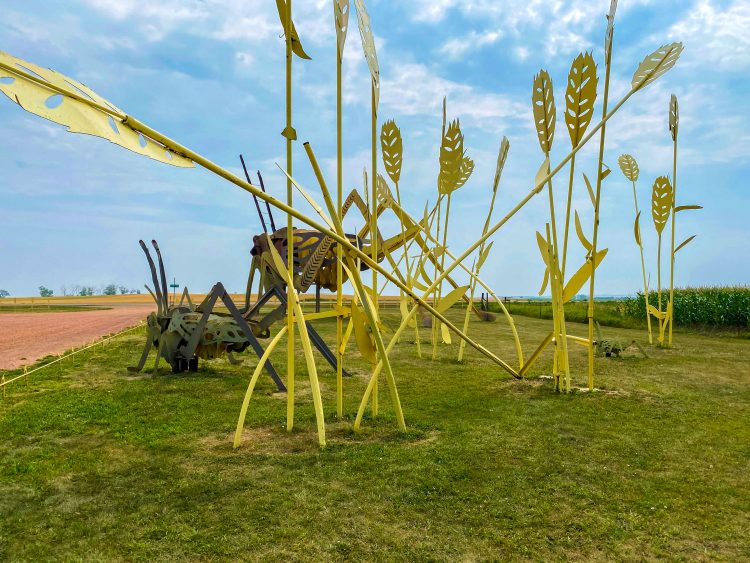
257	205
270	215
165	290
155	279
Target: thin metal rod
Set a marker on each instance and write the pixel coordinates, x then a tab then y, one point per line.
268	206
255	198
597	200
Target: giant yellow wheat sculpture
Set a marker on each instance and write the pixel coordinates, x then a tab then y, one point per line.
68	102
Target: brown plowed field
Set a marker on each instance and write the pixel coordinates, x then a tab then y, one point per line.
27	337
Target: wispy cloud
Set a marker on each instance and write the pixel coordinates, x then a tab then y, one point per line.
719	36
457	47
210	74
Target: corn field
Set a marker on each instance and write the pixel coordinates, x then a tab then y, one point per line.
719	307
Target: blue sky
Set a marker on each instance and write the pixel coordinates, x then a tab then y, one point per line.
209	73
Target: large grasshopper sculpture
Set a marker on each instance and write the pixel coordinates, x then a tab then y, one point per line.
183	332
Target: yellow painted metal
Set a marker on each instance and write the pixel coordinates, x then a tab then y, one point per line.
347	336
561	341
580	96
662	197
335	312
391	144
251	386
674	120
312	370
357	282
535	355
544	111
374	215
368	47
364	258
289	34
630	169
597	196
341	11
405	217
66	101
484	250
99	110
579	340
285	15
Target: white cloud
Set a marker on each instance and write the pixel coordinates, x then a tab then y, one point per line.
556	26
431	10
456	47
250	21
413	89
719	37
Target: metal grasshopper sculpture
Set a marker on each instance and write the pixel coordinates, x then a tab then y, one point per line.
183	332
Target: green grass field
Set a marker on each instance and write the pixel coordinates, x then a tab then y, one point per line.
99	464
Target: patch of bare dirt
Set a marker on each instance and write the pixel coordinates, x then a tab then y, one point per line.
28	337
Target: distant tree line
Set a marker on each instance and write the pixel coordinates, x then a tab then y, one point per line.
84	290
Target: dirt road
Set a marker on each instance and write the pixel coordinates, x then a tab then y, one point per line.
27	337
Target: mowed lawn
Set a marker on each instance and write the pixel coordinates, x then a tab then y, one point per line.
99	464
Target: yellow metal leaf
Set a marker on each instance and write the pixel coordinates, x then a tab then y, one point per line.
543	101
579	231
368	46
674	116
451	299
446	334
341	17
580	96
483	256
419	286
541	174
656	313
661	202
687	207
385	196
684	243
610	29
455	167
502	156
606	171
545	281
282	7
438	251
467	167
656	64
61	99
363	337
629	167
425	276
543	247
392	149
575	283
637	229
403	305
590	190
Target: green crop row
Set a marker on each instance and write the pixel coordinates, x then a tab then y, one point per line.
702	306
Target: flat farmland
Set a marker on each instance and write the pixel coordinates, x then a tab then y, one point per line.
34	327
29	336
